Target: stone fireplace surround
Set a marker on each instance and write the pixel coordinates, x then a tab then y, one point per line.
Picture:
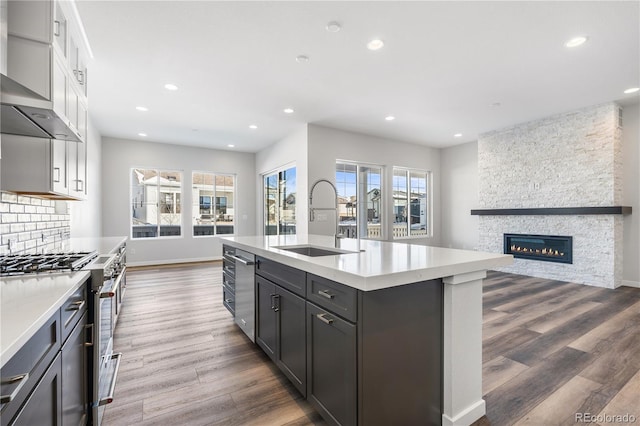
564	161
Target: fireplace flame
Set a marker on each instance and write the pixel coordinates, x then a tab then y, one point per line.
545	251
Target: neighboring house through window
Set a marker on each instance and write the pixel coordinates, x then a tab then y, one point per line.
213	208
280	201
155	203
411	206
360	199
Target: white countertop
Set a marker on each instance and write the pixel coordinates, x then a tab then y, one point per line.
103	245
27	302
381	264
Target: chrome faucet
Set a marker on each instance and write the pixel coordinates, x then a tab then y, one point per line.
337	236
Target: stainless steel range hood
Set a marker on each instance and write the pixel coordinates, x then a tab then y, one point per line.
27	114
24	112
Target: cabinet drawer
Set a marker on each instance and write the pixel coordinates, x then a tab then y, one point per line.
228	251
229	281
229	268
72	310
229	300
338	298
34	359
290	278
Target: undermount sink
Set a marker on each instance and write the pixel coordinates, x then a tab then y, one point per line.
313	251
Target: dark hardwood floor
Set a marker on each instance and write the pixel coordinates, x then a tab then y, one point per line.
550	350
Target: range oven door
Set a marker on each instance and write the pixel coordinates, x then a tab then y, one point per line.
107	362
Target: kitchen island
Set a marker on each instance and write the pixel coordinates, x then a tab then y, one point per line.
383	302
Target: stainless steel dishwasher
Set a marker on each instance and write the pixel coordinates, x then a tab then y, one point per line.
245	292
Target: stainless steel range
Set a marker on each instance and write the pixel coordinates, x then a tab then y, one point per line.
107	281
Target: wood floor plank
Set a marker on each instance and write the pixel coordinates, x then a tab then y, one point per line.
499	371
561	336
627	401
589	340
513	400
561	406
503	343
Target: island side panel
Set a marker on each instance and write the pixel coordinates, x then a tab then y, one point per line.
400	351
462	379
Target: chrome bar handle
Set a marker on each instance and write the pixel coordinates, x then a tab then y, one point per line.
273	301
76	306
80	78
109	398
325	293
325	320
22	378
56	174
277	308
89	327
56	28
243	261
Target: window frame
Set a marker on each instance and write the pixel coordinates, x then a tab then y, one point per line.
158	172
212	203
428	201
382	196
265	212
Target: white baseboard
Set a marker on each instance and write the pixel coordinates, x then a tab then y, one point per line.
467	416
627	283
172	261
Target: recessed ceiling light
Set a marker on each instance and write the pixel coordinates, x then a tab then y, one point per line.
231	145
632	90
576	41
302	59
288	111
375	44
457	135
141	108
253	126
496	104
389	118
170	86
144	135
333	27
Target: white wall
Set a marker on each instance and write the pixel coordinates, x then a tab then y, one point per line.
86	216
291	150
631	194
326	145
459	194
119	156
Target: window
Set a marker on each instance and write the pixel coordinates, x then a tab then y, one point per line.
359	199
156	209
213	212
280	202
410	203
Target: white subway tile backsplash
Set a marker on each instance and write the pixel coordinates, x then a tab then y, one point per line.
26	219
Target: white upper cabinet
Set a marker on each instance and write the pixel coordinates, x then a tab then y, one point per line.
47	54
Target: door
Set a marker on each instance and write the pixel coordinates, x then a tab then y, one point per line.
72	167
59	169
332	364
75	376
292	352
266	316
43	406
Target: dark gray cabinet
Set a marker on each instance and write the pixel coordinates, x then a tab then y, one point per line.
280	330
332	364
46	381
43	406
266	316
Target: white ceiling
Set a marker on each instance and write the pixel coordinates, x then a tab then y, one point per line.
443	67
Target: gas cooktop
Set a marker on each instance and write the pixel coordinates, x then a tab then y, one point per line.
18	264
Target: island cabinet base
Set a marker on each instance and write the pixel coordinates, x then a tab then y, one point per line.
400	355
387	367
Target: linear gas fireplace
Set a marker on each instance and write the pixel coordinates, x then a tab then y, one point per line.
548	248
